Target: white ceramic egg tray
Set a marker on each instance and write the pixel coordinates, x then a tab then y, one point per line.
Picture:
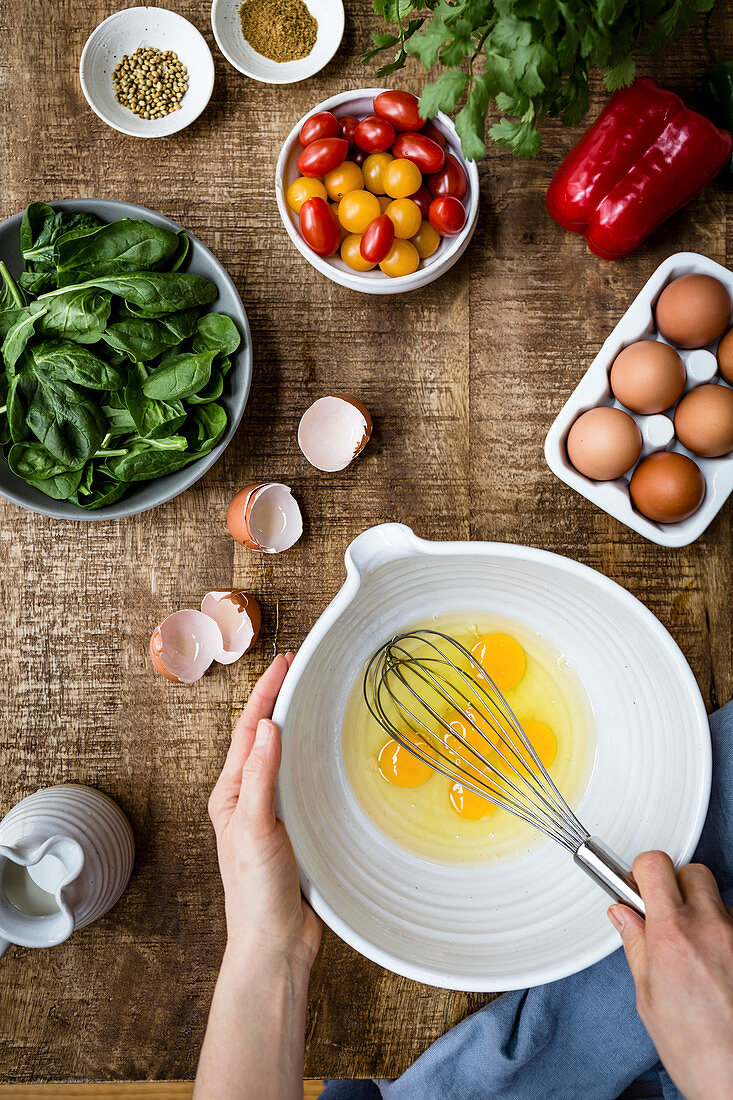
657	431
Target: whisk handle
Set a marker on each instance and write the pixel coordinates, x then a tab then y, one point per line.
610	872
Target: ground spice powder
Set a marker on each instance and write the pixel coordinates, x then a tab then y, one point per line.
283	30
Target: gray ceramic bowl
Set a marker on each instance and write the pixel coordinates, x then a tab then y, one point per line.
144	494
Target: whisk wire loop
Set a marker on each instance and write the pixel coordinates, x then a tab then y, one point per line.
529	794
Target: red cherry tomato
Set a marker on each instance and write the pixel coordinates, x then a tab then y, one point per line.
320	227
450	180
421	150
358	156
399	108
377	239
423	198
432	131
447	215
374	134
322	125
322	156
348	124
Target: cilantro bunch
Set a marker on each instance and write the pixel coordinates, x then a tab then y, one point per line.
531	57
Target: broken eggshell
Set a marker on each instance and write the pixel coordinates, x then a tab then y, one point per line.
187	642
184	645
333	431
238	617
265	517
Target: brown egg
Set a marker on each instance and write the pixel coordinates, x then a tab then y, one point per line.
693	310
703	420
667	487
648	376
604	443
725	356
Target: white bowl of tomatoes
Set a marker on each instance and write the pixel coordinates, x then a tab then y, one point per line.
374	197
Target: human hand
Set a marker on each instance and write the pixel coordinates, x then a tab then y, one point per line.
265	910
681	960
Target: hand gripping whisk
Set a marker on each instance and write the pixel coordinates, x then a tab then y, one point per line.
424	688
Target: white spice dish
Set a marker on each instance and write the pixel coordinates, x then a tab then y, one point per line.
638	323
225	23
121	34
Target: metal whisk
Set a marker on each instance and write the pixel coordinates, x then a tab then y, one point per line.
428	692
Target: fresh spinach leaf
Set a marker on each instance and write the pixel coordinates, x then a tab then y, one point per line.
74	363
217	331
41	227
20	393
120	247
61	487
103	490
142	462
64	420
33	462
152	419
212	391
178	257
11	296
18	336
152	293
205	427
180	376
141	338
80	315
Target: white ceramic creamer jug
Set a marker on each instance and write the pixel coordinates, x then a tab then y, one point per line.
66	855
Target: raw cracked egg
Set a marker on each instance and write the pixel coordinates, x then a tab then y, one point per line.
185	644
333	431
647	377
667	487
265	517
693	310
604	443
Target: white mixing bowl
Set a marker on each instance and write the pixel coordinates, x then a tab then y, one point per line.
526	921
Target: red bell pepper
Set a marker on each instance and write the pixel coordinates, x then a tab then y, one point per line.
643	158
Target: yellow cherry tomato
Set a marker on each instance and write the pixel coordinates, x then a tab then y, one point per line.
351	255
373	170
347	177
405	217
357	209
302	189
401	178
426	240
402	259
384	202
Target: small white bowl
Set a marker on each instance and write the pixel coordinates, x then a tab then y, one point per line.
359	103
228	34
121	34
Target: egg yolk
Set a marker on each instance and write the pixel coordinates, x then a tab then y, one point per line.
469	805
502	659
400	767
542	740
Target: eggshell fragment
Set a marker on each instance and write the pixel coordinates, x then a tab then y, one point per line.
333	431
238	617
265	517
184	645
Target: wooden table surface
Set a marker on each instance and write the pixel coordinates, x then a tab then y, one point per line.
463	379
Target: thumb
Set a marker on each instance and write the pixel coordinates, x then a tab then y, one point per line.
632	930
259	776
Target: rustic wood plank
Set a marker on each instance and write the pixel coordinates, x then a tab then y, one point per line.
463	379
